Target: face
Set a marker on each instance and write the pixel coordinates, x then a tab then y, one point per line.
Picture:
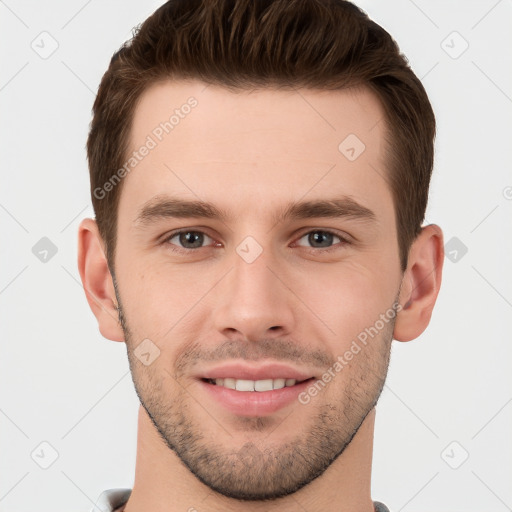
291	272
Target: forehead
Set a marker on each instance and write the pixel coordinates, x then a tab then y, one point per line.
218	113
210	142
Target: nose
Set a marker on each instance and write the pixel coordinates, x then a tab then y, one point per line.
255	301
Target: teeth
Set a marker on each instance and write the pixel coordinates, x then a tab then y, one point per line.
254	385
263	385
279	383
244	385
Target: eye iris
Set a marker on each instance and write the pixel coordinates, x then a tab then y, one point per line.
319	236
192	237
196	238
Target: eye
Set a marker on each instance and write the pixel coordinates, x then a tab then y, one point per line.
322	239
186	239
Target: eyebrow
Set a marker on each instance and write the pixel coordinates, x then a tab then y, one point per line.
163	207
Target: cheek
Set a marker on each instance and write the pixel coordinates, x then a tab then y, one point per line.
164	298
160	297
348	299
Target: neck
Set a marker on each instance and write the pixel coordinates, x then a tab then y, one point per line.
164	484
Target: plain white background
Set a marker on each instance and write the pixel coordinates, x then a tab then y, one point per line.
444	420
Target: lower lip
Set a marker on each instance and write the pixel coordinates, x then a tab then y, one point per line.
254	403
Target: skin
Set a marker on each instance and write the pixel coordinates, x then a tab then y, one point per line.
250	153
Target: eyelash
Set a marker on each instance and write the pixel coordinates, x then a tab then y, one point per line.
343	240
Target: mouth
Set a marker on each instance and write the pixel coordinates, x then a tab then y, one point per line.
254	398
245	389
246	385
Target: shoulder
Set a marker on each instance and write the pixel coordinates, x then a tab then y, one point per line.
380	507
111	499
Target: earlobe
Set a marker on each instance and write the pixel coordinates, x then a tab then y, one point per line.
421	283
97	280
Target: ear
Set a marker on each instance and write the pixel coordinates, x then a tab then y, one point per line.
97	280
420	283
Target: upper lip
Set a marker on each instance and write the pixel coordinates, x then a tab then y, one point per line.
247	372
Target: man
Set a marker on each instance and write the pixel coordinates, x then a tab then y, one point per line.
259	174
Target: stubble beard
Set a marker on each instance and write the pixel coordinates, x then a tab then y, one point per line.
261	470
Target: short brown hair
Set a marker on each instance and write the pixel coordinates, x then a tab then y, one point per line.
242	44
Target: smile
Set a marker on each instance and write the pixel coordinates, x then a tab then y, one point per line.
253	385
